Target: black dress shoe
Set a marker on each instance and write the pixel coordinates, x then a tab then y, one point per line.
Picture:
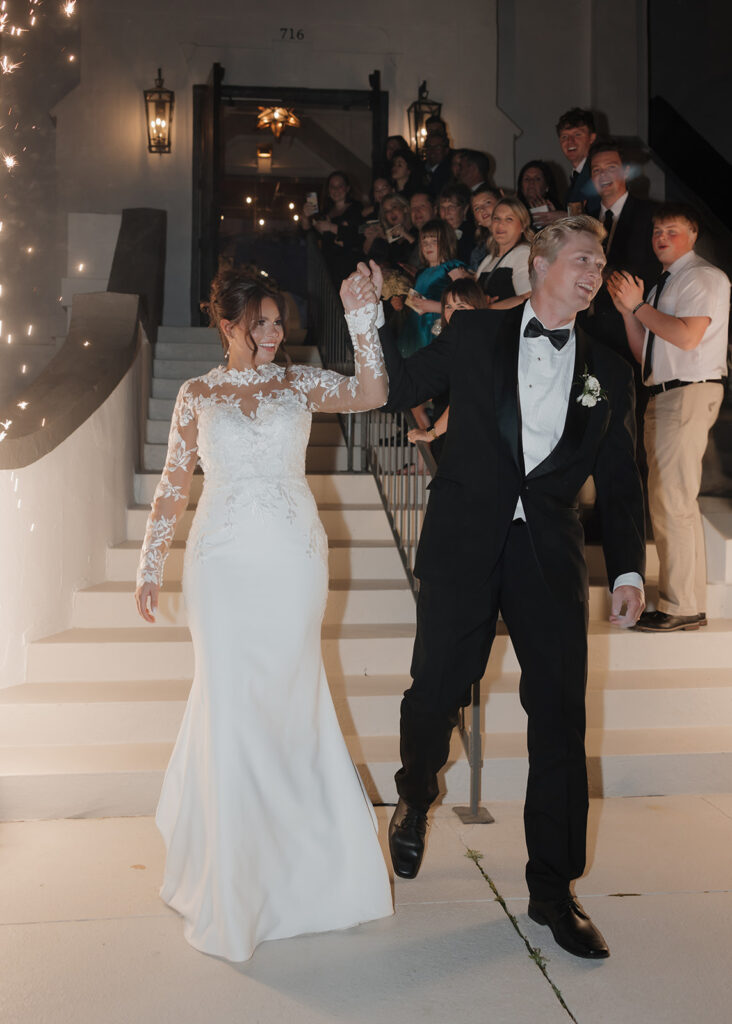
702	617
571	927
660	622
407	830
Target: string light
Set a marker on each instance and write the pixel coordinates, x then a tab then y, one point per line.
248	200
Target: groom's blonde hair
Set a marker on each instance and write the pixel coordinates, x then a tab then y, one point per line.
550	239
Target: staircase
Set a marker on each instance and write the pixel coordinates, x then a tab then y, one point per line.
90	731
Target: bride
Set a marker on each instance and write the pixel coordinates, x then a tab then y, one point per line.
268	829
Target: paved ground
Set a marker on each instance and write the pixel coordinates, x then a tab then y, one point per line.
85	939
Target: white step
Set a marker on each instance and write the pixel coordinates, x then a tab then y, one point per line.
86	655
351	488
149	711
717	513
82	655
319	458
125	779
364	560
341	522
348	603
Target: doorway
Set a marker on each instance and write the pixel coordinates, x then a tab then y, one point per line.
249	187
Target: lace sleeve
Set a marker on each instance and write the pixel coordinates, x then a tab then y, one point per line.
171	494
329	391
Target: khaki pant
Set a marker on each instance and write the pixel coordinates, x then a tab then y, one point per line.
677	425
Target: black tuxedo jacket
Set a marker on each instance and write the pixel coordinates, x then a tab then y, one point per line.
481	474
630	250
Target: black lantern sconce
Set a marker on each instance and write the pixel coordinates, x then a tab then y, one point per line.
418	114
159	104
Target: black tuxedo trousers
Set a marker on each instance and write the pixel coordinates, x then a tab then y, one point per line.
456	626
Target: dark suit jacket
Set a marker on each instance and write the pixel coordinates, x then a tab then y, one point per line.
630	250
582	190
481	475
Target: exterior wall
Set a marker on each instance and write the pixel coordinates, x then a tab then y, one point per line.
57	518
102	158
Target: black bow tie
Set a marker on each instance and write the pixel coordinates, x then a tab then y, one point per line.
558	338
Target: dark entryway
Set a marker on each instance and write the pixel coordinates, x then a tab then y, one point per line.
245	204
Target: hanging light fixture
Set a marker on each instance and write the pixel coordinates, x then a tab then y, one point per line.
418	113
277	118
159	104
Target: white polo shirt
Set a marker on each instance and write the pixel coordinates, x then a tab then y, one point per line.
693	288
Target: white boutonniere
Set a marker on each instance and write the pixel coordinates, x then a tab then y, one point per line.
591	392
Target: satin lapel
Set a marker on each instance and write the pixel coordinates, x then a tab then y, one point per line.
506	383
578	416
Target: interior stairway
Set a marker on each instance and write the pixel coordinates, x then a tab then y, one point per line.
88	734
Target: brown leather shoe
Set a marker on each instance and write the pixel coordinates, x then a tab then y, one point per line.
660	622
571	927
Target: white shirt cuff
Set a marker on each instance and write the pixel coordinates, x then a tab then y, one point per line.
629	579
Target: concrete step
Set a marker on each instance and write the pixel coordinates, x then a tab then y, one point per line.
149	711
717	513
319	458
350	488
83	655
349	602
362	560
156	432
341	522
124	779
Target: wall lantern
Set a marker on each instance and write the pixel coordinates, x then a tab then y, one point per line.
159	104
277	118
418	114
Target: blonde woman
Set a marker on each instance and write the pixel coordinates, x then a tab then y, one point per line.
504	273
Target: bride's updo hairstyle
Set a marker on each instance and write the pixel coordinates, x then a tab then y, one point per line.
238	296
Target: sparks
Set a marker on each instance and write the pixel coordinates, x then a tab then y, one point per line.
7	67
69	7
22	405
10	161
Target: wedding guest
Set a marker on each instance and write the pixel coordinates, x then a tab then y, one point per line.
398	238
536	189
474	169
337	223
421	209
380	188
628	222
453	207
393	144
406	173
438	163
482	203
439	266
504	273
576	133
679	335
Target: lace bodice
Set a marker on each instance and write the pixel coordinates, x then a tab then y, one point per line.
249	429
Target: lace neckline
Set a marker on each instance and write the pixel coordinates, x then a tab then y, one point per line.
252	375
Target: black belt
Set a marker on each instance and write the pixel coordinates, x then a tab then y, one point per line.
669	385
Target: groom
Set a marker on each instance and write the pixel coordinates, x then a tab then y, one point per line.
535	409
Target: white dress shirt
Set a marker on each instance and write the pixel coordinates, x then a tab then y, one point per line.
544	385
693	288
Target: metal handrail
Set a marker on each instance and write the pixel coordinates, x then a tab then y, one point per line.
402	472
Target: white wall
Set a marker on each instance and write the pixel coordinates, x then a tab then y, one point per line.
102	156
57	517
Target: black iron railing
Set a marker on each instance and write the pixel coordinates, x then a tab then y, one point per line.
402	472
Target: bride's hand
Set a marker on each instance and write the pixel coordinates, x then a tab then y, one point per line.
146	598
357	290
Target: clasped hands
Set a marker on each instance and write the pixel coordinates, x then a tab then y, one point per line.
362	287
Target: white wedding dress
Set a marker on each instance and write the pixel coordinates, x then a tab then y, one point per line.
268	829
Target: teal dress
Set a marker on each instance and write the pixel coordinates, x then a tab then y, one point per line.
417	330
